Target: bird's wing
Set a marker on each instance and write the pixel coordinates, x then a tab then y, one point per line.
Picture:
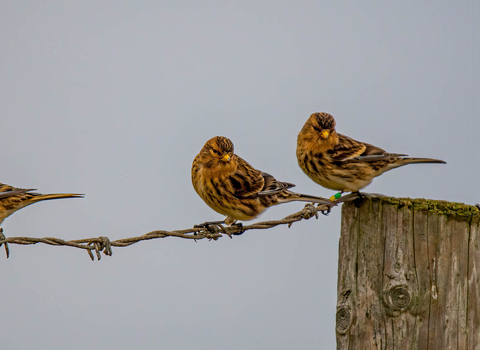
273	186
6	188
349	149
346	149
371	150
246	181
9	191
250	182
16	192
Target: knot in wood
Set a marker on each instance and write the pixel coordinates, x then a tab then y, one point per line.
397	299
343	319
400	296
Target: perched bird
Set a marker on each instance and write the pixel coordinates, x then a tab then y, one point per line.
341	163
232	187
13	199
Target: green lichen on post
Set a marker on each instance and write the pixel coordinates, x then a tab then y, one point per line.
438	207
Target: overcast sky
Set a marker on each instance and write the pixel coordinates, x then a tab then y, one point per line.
115	98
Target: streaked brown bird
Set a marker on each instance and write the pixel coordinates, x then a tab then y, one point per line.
13	199
341	163
232	187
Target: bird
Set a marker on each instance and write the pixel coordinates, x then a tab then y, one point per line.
232	187
13	199
340	163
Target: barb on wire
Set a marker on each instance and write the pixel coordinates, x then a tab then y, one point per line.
211	232
3	238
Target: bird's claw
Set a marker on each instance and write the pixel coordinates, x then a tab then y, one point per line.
326	211
212	227
358	201
240	227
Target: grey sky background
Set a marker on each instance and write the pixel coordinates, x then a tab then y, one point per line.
114	99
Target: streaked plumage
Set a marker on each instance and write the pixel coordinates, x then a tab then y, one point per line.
341	163
13	199
232	187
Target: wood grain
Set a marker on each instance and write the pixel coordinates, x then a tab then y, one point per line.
408	276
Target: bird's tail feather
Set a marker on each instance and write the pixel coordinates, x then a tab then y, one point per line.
401	161
405	161
43	197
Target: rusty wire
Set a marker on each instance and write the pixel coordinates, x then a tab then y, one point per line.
212	232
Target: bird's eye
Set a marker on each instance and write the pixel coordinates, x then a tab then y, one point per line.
216	152
317	129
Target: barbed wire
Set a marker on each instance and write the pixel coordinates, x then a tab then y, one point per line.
207	230
211	231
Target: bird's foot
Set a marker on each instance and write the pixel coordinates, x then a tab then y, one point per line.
240	227
360	194
213	227
209	223
360	197
327	209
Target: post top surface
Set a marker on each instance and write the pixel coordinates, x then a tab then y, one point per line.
439	207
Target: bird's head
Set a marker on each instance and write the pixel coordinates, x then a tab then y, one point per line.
323	124
220	148
218	151
318	134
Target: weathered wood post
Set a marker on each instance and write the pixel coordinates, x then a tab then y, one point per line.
409	275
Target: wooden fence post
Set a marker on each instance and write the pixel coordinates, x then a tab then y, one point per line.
408	275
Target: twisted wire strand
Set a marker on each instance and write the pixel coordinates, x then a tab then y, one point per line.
212	232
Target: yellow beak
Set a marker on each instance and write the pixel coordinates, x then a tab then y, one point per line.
324	134
226	157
